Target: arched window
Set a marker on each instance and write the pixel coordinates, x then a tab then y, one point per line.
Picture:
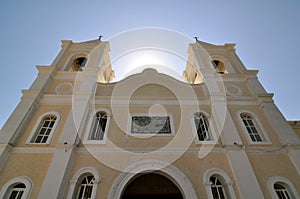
17	191
251	127
219	66
281	191
16	188
78	63
84	184
217	188
281	188
44	128
99	126
202	127
218	184
85	188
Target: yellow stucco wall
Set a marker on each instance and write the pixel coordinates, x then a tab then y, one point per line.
266	165
193	167
33	165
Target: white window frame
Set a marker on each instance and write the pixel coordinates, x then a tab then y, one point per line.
211	129
281	180
7	187
262	133
37	125
90	127
130	115
85	186
74	182
227	184
217	187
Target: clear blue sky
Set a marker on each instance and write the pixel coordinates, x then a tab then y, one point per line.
266	33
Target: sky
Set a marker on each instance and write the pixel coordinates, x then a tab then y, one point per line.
266	34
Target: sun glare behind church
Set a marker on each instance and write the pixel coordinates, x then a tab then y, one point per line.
138	60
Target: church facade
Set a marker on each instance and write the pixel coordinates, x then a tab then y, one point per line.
218	134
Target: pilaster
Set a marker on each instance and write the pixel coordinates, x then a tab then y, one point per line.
86	83
294	154
244	175
23	112
280	126
230	135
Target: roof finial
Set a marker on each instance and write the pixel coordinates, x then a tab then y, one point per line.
196	38
99	37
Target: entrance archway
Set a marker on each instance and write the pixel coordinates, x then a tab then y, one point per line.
165	169
151	185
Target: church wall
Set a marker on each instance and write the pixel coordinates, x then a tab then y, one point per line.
189	163
108	175
194	168
267	159
125	139
275	163
33	165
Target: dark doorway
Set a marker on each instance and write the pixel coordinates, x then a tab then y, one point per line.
152	186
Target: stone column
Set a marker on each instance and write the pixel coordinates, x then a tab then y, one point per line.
56	179
244	175
23	112
85	86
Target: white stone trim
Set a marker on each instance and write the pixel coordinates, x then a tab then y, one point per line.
66	84
34	150
158	166
37	124
225	179
20	179
263	134
74	181
98	151
239	92
243	174
279	179
89	128
105	100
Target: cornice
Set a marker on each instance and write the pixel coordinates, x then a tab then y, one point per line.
33	150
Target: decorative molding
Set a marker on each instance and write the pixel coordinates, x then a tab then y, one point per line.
234	90
34	150
65	88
